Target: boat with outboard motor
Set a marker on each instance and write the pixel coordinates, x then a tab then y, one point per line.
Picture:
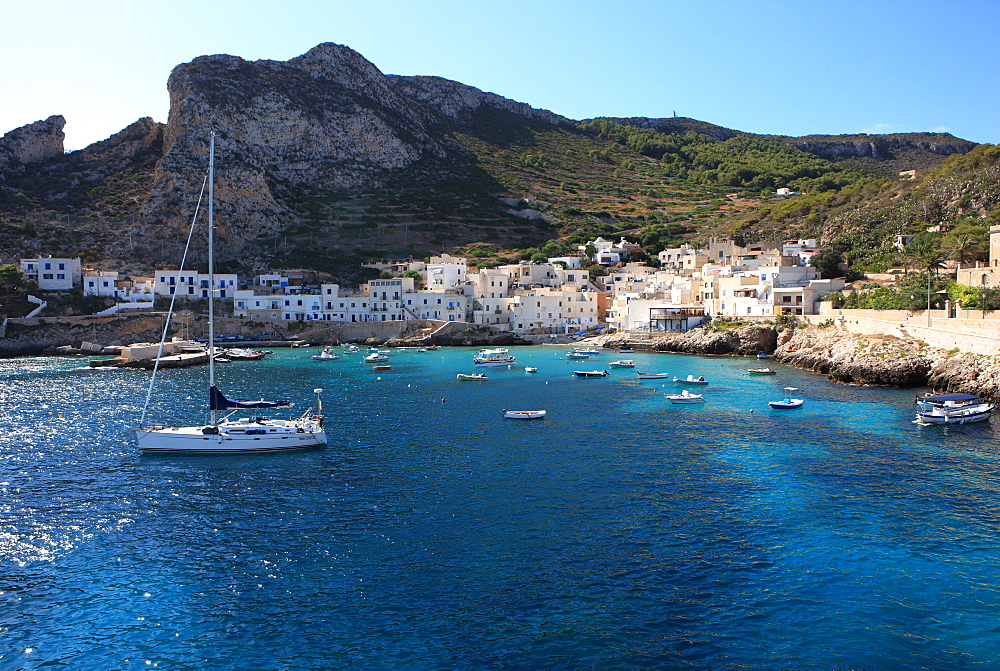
952	409
498	356
787	403
685	397
691	379
524	414
590	373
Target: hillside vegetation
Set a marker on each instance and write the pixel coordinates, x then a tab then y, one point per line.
530	187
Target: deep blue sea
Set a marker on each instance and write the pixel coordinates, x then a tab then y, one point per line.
620	532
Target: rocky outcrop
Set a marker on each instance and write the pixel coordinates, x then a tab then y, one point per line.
49	334
747	340
845	357
886	360
967	374
31	144
325	121
35	142
455	100
879	148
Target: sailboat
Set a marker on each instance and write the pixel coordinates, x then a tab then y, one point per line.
231	435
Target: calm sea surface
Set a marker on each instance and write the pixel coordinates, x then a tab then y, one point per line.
619	532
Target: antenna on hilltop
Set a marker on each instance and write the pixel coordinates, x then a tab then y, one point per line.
675	114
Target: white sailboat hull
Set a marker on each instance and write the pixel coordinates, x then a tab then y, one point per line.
238	439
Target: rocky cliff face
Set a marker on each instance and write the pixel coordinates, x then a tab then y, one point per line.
454	100
744	341
886	360
325	121
30	144
834	148
845	357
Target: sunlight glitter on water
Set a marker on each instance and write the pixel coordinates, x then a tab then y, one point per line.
619	532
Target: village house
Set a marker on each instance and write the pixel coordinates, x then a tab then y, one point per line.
110	284
53	274
192	284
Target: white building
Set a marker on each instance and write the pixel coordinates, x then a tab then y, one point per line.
111	285
53	274
192	284
553	310
444	276
608	253
449	306
640	315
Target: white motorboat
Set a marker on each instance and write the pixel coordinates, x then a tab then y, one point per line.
691	379
499	356
376	357
577	355
530	369
228	435
326	355
586	350
952	409
787	403
622	363
243	354
653	376
685	397
590	373
524	414
469	377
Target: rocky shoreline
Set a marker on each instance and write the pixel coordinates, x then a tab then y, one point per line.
842	356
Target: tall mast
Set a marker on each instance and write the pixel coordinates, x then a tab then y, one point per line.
211	270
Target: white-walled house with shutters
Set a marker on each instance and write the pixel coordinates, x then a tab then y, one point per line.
192	284
53	274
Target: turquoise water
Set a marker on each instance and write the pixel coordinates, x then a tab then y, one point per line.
619	532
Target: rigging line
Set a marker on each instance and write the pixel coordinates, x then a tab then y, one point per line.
173	300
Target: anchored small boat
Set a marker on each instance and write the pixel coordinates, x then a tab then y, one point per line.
622	363
787	403
376	357
326	355
590	373
577	355
471	376
691	379
760	371
530	369
952	409
524	414
653	376
499	356
685	397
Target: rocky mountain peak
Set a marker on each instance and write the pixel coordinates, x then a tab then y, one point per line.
34	142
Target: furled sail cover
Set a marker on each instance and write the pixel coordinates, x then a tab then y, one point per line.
218	401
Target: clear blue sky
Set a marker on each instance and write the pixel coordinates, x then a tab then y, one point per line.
790	68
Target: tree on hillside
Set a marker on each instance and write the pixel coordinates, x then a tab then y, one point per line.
829	263
11	280
418	279
963	246
923	250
